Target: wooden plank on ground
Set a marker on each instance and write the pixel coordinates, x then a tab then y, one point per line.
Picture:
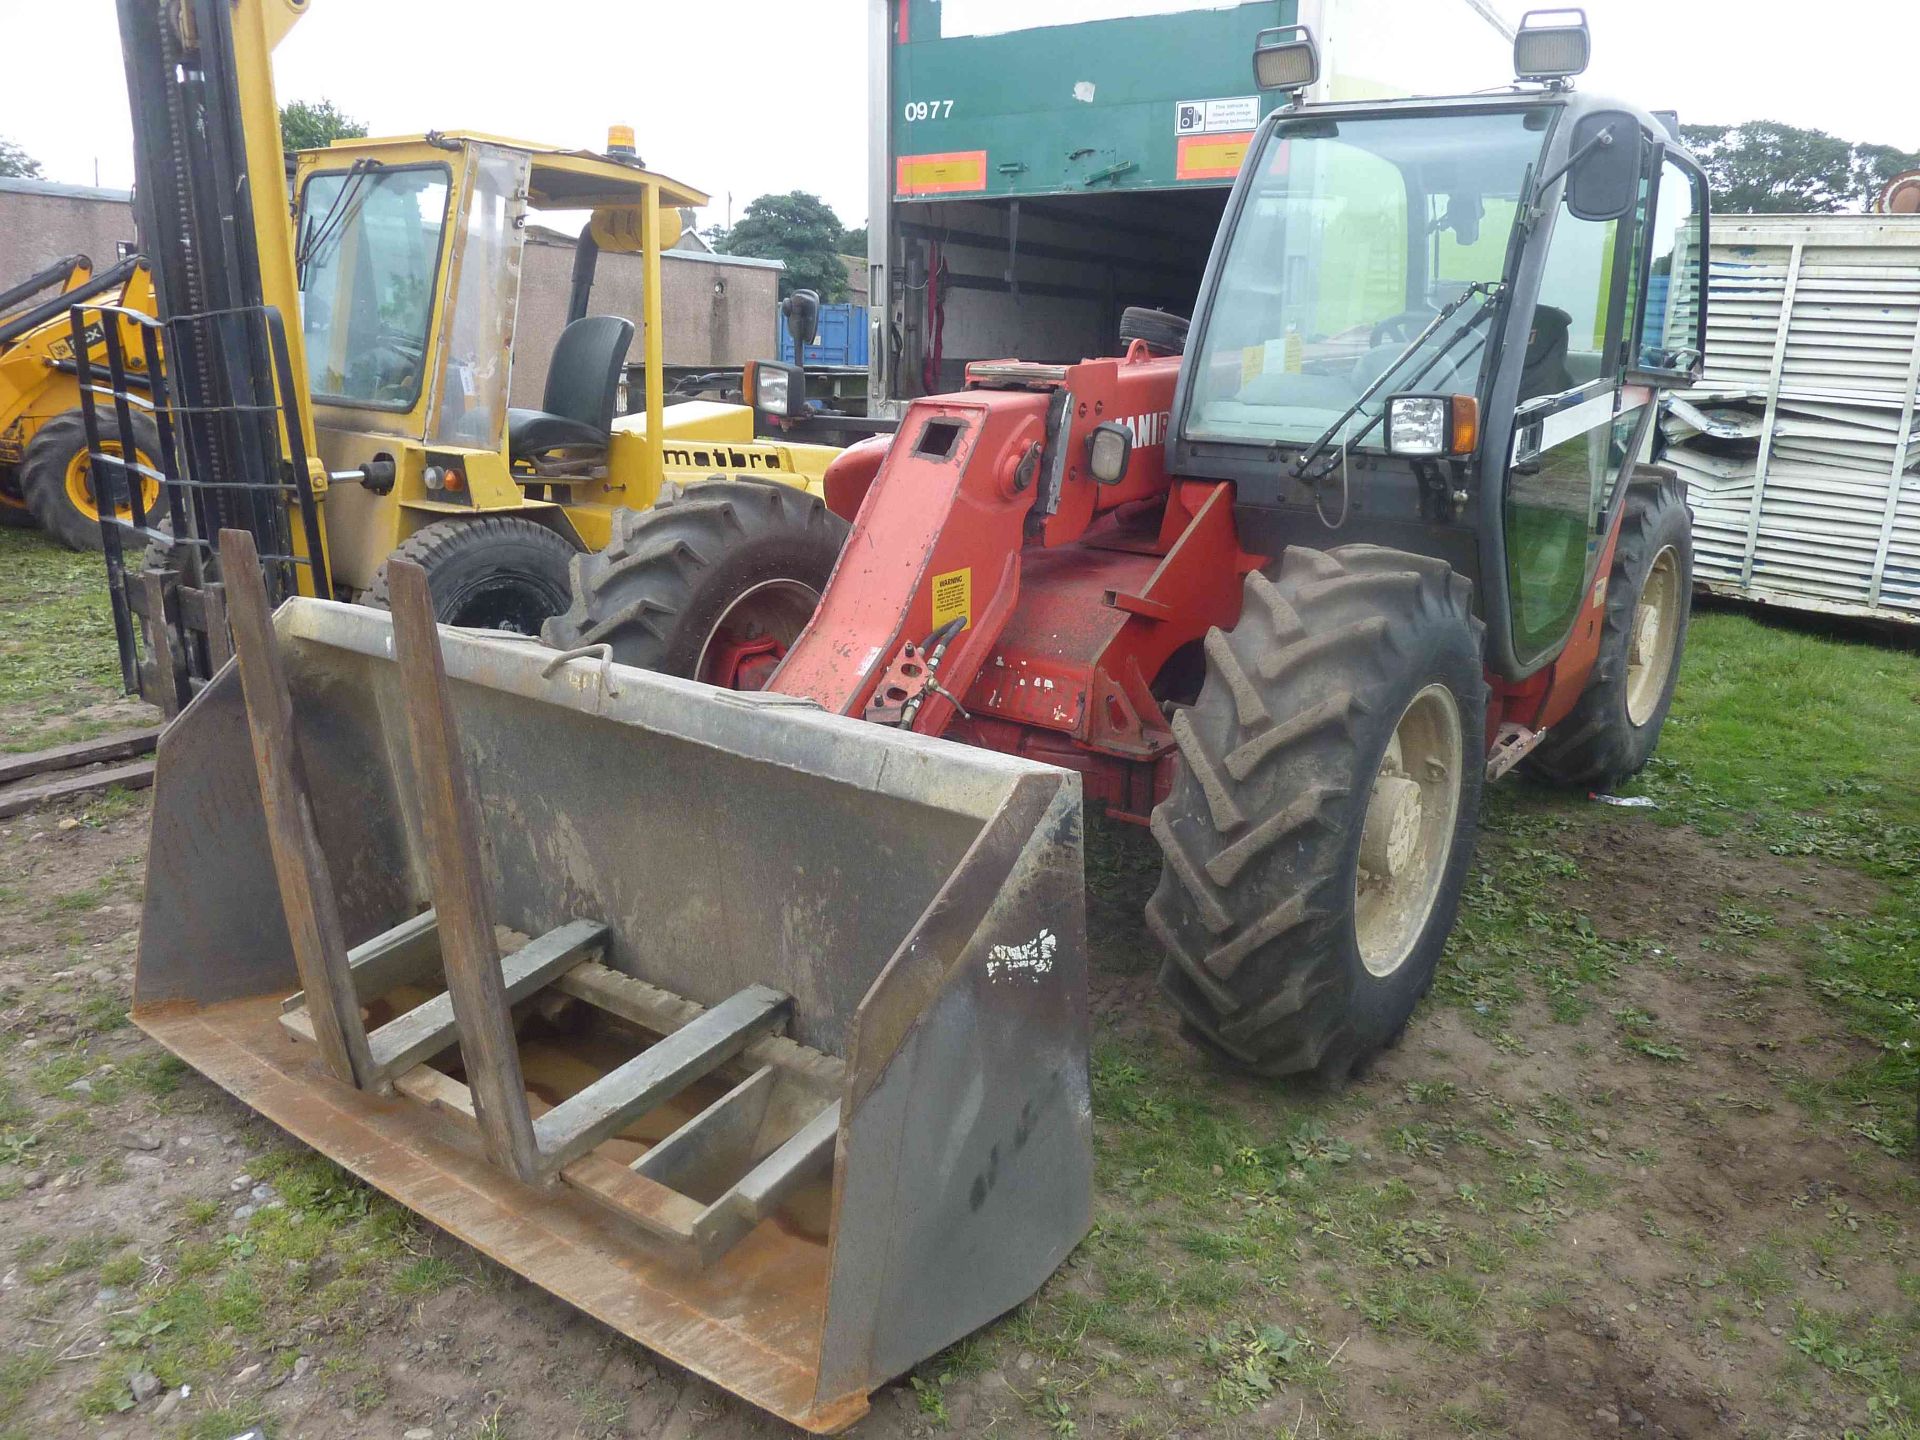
123	746
22	798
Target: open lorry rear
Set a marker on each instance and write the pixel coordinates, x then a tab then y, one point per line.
1037	168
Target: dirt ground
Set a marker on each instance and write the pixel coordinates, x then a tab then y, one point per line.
1613	1219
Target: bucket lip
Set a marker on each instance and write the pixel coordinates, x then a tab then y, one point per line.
945	773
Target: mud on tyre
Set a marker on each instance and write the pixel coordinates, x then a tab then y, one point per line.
1321	824
712	583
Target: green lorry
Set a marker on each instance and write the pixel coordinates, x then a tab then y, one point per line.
1039	167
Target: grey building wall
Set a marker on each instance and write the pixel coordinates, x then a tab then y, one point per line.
720	310
41	222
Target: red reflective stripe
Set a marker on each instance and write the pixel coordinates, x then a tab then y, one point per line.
905	22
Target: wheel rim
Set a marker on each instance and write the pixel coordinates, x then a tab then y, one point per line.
1656	627
754	633
80	493
1407	836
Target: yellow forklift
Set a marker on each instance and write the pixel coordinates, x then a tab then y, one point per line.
369	320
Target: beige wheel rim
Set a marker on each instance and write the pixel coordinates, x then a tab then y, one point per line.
1407	835
1656	626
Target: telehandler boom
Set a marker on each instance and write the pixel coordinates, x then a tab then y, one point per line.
1289	592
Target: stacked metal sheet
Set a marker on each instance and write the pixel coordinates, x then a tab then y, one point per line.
1801	445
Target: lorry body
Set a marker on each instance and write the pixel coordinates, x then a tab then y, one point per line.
1037	169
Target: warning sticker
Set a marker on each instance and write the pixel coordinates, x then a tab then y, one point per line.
1210	157
953	598
954	172
1214	117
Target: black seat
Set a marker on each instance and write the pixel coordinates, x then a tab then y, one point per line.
583	384
1544	371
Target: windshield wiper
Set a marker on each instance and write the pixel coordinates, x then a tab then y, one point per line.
1488	288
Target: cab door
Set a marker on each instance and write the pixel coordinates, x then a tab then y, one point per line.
1578	425
1618	316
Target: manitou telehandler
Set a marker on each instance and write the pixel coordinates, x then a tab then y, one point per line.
46	472
791	1081
377	318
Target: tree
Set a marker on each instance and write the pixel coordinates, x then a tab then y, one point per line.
311	125
1765	167
16	162
854	242
799	229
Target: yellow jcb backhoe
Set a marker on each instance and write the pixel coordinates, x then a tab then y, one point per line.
46	474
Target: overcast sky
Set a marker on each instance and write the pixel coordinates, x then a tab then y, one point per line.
749	96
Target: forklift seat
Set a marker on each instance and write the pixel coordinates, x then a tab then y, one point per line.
583	383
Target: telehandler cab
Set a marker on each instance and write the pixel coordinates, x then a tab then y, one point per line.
377	318
790	1083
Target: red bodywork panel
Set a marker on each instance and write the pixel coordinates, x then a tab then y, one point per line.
1070	617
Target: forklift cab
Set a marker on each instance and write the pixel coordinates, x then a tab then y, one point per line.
1441	325
409	256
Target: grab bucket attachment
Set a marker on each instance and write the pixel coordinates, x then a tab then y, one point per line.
758	1033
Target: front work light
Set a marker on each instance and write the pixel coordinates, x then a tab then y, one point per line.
1285	58
1429	426
1109	447
1551	44
775	389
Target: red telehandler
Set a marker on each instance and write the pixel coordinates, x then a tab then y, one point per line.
1279	596
790	1082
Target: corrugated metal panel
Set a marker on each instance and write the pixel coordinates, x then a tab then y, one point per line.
1814	326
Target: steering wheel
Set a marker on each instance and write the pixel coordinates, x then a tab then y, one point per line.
1402	327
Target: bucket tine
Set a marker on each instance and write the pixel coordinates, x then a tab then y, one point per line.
306	886
467	948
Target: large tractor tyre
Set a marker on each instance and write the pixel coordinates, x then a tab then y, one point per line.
714	583
1164	332
14	514
1613	728
1321	824
56	476
493	572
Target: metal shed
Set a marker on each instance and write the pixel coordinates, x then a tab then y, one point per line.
1799	445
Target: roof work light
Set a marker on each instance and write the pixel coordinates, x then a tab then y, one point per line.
1285	58
1551	44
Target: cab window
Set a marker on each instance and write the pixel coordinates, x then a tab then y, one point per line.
1571	444
1670	321
369	256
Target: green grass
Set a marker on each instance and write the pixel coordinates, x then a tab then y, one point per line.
316	1262
1804	744
57	653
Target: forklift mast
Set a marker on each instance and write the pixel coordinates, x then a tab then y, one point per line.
236	432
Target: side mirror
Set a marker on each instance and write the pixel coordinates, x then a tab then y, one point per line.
801	310
1603	180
